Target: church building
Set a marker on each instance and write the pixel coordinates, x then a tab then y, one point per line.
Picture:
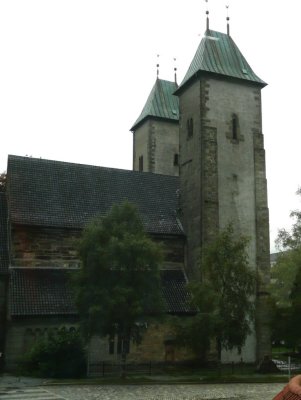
198	165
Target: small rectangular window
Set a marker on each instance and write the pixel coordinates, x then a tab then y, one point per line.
176	160
189	125
234	127
141	163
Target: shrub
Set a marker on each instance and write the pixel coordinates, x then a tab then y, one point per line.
60	355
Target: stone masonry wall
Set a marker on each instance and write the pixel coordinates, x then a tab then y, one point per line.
44	247
155	346
158	142
22	334
191	174
54	247
222	175
263	249
3	296
140	146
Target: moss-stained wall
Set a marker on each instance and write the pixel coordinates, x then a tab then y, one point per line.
54	247
158	142
22	333
44	247
3	296
155	346
222	177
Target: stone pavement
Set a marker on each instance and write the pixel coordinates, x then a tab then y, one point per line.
19	381
25	393
19	388
169	392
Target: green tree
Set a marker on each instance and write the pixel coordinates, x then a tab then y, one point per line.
286	284
295	315
118	285
225	296
283	275
2	181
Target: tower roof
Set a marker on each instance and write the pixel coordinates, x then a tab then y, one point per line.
161	103
218	54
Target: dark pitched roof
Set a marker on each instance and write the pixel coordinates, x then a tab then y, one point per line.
38	292
46	292
59	194
3	234
217	53
161	103
175	292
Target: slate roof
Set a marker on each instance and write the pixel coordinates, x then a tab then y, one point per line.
161	103
40	292
218	54
175	292
59	194
46	292
3	234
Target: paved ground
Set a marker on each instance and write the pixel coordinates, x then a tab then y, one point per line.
148	392
166	392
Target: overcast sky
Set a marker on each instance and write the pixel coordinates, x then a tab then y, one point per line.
75	74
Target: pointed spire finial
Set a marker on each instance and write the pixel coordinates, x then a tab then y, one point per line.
228	19
207	13
175	69
158	65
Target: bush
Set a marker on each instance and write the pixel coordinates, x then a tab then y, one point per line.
60	355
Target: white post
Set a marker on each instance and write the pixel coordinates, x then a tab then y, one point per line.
289	367
88	360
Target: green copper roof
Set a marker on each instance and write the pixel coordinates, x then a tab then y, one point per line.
161	103
217	53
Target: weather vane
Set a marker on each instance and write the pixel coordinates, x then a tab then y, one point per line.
207	13
228	19
158	65
175	69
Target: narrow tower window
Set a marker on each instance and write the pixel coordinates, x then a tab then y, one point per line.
176	160
141	163
189	128
234	127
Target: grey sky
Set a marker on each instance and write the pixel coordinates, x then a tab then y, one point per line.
74	76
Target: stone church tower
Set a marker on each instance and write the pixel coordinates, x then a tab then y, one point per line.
156	132
222	163
221	160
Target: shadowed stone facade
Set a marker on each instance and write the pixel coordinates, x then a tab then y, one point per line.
222	165
222	174
156	147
